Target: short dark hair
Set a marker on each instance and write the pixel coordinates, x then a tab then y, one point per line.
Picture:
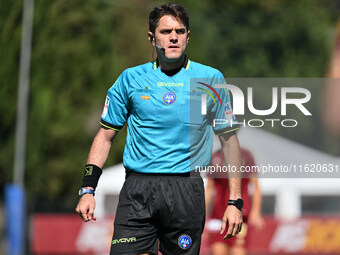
174	10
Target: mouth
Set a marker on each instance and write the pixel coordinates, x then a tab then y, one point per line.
173	47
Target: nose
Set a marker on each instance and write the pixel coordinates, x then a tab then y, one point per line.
173	37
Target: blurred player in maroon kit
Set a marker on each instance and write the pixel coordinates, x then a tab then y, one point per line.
217	194
331	103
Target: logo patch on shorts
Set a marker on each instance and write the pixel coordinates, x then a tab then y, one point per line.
124	240
169	97
184	241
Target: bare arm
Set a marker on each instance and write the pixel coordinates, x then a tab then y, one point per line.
101	146
209	192
255	217
331	102
232	156
98	155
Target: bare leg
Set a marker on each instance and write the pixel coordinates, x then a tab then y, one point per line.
219	249
238	250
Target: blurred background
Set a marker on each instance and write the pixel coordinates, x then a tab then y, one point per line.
79	48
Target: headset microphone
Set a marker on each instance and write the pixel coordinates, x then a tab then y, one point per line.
162	50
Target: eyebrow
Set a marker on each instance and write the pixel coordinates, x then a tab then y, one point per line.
170	29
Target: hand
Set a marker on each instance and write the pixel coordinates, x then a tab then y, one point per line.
233	219
256	220
85	207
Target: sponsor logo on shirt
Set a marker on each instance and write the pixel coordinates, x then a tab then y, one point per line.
169	97
170	84
184	241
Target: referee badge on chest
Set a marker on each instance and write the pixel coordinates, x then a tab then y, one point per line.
169	97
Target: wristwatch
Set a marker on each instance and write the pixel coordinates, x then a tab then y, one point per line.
83	191
238	203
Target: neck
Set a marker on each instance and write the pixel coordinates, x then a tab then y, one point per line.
167	66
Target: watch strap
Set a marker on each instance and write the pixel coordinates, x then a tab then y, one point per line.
84	191
238	203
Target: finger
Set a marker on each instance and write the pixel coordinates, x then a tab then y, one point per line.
230	231
239	228
84	216
91	217
235	230
224	224
79	211
90	212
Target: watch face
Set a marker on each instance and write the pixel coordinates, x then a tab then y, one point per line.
240	203
83	191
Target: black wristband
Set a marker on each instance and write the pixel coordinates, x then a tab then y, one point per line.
91	176
238	203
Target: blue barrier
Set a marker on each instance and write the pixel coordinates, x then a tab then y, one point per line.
15	219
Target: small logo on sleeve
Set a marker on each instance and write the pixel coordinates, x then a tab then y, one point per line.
106	107
184	241
229	113
169	97
227	109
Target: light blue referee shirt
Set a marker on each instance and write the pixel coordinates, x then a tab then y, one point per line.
167	132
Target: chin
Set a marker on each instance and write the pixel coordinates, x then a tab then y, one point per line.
174	57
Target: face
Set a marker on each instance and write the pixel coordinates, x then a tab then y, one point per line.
172	36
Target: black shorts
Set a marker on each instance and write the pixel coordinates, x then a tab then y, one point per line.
159	211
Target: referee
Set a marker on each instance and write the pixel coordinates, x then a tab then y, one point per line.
161	205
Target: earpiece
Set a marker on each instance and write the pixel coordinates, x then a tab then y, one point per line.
152	40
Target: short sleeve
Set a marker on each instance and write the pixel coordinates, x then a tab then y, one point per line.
115	110
224	120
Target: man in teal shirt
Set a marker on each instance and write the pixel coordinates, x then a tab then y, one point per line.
168	137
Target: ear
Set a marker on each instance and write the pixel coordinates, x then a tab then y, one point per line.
151	38
188	36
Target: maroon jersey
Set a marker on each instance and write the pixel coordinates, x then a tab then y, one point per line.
221	187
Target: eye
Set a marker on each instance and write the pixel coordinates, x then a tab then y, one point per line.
166	31
180	31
